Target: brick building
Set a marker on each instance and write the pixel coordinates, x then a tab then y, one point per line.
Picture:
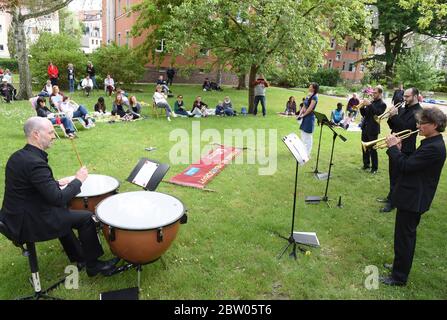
117	22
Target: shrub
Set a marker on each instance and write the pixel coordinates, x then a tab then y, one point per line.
327	77
61	49
10	64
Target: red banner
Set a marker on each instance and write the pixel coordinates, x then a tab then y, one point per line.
198	175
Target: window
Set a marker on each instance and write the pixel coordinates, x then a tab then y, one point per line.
329	64
161	46
93	42
2	47
338	56
352	67
333	43
127	38
119	39
344	66
362	67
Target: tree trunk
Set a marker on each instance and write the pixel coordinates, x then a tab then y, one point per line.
219	76
242	79
251	88
25	89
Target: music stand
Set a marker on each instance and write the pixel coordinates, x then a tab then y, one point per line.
321	120
298	150
148	174
317	199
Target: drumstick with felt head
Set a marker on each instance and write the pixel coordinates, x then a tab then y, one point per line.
76	151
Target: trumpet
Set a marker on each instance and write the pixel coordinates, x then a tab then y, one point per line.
381	143
361	104
386	114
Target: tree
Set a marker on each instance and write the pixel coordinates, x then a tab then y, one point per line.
61	49
123	63
69	24
429	9
22	10
418	69
259	34
395	25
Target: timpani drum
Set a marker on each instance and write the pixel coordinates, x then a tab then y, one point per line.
140	226
95	188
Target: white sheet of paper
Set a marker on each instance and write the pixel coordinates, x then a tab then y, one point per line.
144	175
297	148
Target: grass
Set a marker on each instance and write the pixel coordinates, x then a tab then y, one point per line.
228	249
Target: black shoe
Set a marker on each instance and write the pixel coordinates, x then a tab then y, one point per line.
388	266
373	171
387	208
390	281
104	267
366	167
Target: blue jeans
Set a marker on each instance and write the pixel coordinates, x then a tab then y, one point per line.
256	102
166	107
71	85
67	124
80	113
94	82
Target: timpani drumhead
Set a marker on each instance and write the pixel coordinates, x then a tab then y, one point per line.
96	185
140	210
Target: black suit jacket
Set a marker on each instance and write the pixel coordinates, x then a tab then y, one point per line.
406	119
370	126
418	174
33	204
398	96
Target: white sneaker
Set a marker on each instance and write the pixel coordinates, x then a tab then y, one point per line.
174	114
169	119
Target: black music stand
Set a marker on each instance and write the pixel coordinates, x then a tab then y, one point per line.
321	120
296	147
317	199
148	174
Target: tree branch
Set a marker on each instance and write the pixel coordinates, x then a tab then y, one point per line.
54	8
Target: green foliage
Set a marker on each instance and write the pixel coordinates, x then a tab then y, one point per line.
125	65
69	24
327	77
417	69
10	64
429	10
61	49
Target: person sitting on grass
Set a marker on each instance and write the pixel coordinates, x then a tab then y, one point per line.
120	105
100	107
206	86
161	101
199	108
290	106
220	109
74	110
87	85
7	91
134	110
179	107
39	103
337	115
47	90
228	107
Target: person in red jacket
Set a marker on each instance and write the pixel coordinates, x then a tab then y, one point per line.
53	73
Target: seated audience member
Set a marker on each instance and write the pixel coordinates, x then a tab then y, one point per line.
7	90
164	86
301	106
8	76
56	98
161	101
290	106
47	90
39	103
199	108
220	109
120	105
228	107
74	110
109	85
134	110
124	95
206	86
337	115
100	106
215	86
353	102
87	85
179	107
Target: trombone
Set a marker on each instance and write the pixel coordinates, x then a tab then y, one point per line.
386	114
381	143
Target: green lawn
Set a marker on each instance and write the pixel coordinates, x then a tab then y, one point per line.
228	249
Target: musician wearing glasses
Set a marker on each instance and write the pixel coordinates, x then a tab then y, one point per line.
371	128
418	177
399	119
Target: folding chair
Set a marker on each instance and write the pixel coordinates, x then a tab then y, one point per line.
156	110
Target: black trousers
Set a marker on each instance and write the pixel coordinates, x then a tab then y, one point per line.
404	243
393	172
86	247
370	157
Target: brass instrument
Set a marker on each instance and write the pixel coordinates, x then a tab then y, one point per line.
381	143
386	114
361	104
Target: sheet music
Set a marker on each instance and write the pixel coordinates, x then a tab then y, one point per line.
297	148
144	175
